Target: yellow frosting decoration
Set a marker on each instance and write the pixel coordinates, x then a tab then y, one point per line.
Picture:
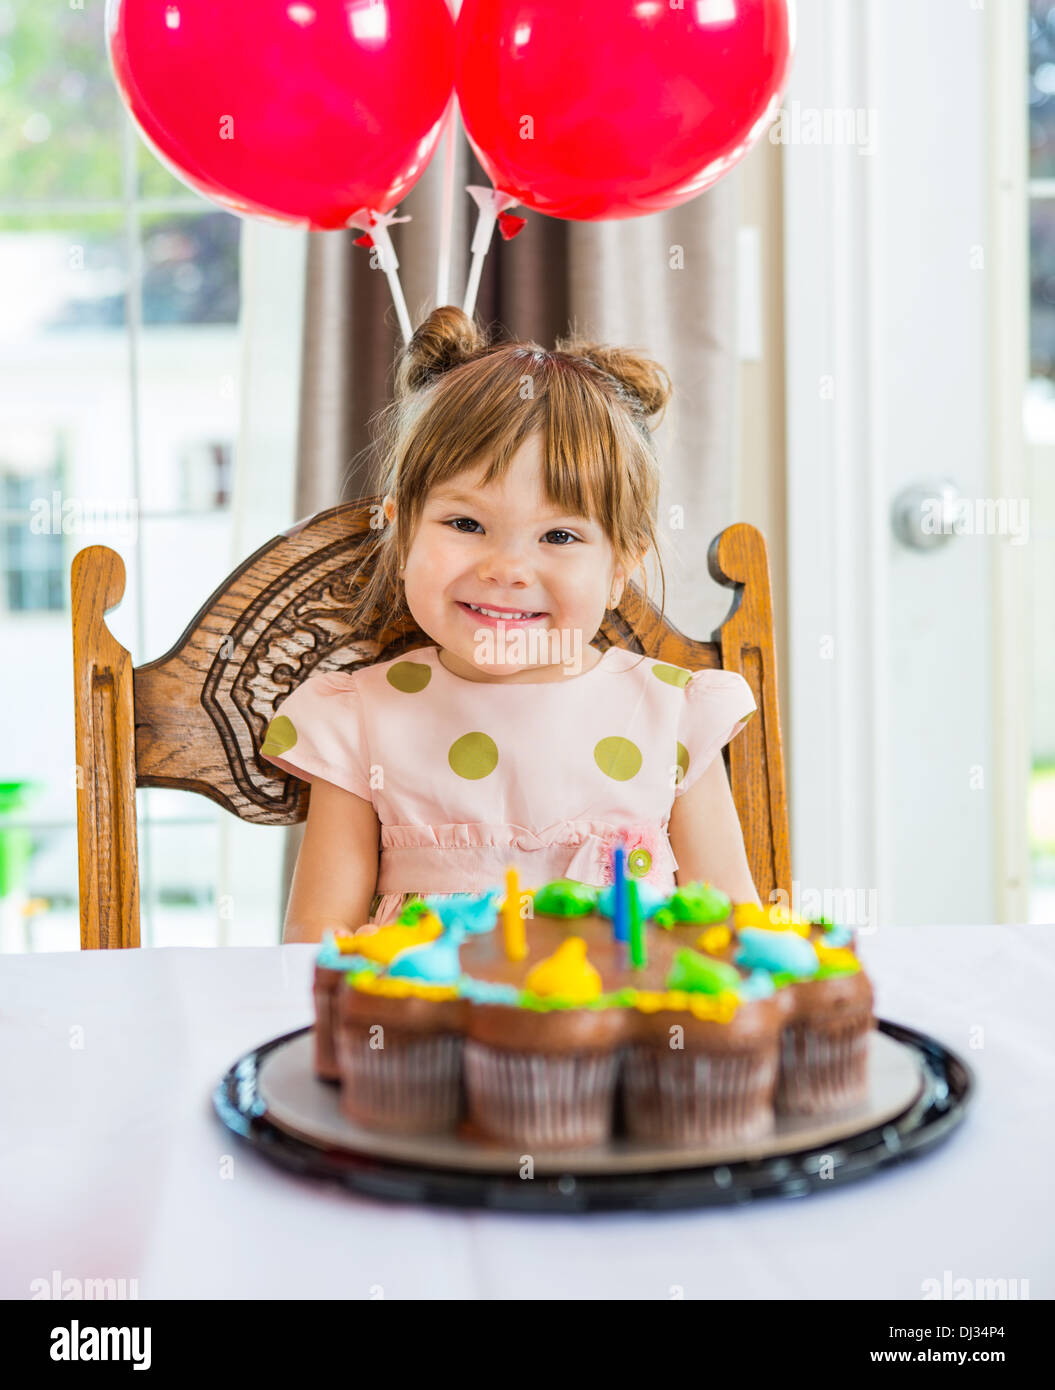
397	987
385	943
713	940
775	917
780	916
714	1008
836	955
747	915
566	974
718	1008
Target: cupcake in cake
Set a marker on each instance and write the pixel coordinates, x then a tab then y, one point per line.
399	1029
709	1078
541	1059
336	957
829	1001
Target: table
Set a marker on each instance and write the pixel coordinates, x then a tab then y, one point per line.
114	1165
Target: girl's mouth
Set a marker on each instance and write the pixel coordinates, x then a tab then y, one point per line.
494	616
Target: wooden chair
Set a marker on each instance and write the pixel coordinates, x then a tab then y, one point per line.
195	718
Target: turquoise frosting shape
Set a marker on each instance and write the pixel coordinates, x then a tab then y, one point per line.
838	936
434	962
648	895
487	991
763	949
466	914
758	985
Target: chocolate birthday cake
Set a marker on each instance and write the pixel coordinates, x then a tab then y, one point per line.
562	1017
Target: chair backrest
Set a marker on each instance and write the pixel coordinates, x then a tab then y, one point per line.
195	718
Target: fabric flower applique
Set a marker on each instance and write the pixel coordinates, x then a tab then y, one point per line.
644	859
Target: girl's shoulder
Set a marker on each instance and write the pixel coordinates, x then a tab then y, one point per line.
696	684
410	671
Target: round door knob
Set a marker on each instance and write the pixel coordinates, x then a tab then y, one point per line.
923	514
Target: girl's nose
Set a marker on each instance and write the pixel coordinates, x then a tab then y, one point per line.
506	567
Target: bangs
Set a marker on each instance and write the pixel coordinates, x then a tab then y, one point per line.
491	407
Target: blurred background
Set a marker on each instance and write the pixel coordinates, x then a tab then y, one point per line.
163	356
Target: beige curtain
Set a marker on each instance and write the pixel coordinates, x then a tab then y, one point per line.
665	283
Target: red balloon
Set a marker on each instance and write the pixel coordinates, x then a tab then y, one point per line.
591	109
300	111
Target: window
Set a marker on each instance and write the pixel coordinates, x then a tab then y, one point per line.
123	385
33	560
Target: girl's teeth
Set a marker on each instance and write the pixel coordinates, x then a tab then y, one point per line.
490	612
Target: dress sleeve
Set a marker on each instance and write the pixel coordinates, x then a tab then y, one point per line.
717	706
317	731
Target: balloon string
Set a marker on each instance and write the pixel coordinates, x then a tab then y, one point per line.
485	226
379	232
490	203
443	265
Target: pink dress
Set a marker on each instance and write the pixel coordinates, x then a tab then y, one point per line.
469	777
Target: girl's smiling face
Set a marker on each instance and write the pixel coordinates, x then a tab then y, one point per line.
505	547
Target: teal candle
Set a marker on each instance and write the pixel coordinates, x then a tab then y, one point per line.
637	929
620	912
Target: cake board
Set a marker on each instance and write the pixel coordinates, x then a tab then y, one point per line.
271	1098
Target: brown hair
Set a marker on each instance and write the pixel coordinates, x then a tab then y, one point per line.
460	397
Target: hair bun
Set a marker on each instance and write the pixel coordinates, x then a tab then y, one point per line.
645	380
447	338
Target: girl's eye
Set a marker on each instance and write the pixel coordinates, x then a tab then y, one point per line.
456	523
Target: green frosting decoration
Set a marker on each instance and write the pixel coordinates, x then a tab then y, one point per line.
827	971
413	909
544	1003
620	998
701	974
368	967
694	902
825	922
824	972
564	897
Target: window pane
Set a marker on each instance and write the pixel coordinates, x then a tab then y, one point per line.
60	113
1042	287
61	272
178	886
190	267
43	913
32	554
184	559
189	365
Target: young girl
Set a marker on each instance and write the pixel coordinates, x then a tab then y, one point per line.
521	493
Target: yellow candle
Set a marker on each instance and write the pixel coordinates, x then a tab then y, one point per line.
512	922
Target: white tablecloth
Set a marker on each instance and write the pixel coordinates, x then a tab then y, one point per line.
113	1164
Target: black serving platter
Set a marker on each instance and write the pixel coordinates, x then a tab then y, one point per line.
948	1085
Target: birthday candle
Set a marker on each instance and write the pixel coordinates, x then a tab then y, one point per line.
512	922
637	929
620	919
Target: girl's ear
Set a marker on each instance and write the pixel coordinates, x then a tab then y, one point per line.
615	593
389	505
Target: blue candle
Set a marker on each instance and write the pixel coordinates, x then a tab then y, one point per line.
621	907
